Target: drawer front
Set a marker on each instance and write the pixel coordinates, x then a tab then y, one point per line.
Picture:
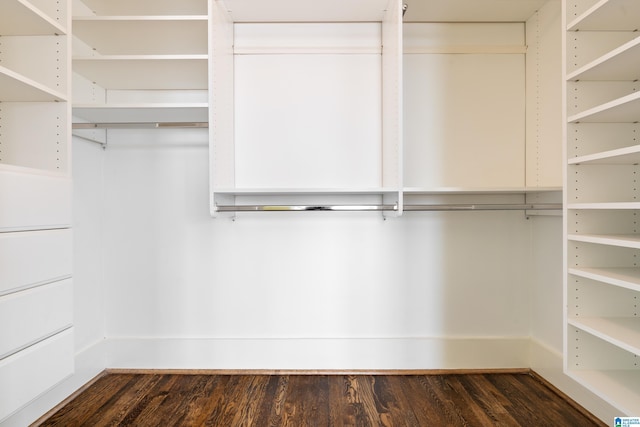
29	202
33	314
29	373
34	257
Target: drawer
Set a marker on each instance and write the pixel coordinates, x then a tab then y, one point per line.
33	314
29	373
34	257
30	201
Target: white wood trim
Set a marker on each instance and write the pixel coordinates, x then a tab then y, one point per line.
320	353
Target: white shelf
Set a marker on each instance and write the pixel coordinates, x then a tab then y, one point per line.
479	190
15	87
620	240
605	206
130	35
144	72
21	18
620	388
623	332
147	7
142	113
628	278
621	110
620	156
307	10
622	63
303	191
609	15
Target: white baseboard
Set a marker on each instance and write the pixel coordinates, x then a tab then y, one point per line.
547	362
319	354
88	363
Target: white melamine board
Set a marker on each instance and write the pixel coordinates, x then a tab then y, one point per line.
16	87
464	120
306	10
478	190
618	64
588	254
603	221
586	48
307	38
619	331
588	351
471	11
46	62
33	258
607	205
23	17
34	314
625	109
34	135
594	138
304	191
589	96
145	71
447	37
616	387
608	15
624	241
158	35
31	372
30	201
392	84
142	113
176	97
592	183
623	277
544	130
622	156
147	7
308	121
221	98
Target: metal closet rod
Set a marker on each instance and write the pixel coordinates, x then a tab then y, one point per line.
141	125
378	208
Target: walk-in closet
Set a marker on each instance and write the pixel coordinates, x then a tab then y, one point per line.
319	186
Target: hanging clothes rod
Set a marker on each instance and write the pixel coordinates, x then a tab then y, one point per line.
141	125
378	208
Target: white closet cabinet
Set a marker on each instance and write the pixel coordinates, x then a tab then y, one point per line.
305	103
602	348
36	293
141	63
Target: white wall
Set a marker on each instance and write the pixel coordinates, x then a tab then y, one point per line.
174	273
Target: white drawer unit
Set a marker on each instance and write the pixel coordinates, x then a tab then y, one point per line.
34	258
27	374
34	201
34	314
36	291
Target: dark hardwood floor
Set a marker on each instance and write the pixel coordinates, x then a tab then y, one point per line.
495	399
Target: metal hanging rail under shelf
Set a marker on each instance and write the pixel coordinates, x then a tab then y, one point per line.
140	125
387	208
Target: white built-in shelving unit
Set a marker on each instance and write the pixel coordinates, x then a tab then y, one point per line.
140	62
36	291
306	102
602	289
327	104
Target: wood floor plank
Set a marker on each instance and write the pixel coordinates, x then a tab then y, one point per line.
515	399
